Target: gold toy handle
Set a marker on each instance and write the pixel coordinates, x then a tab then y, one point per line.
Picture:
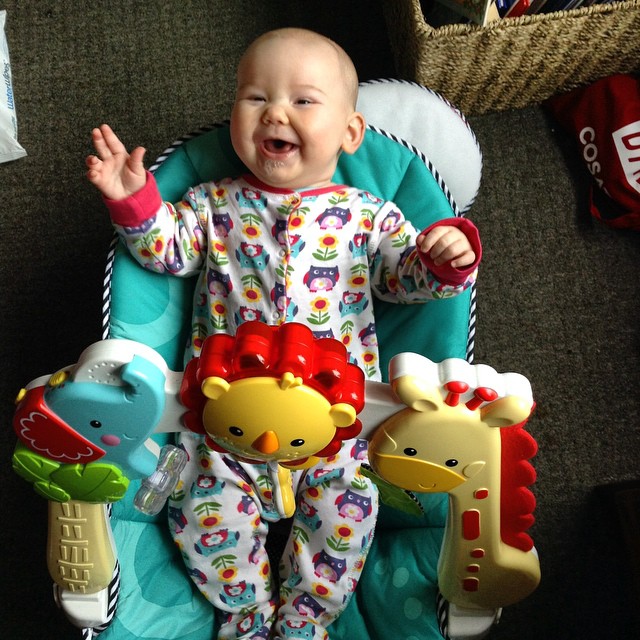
284	498
80	551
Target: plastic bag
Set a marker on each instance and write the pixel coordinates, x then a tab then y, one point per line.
604	118
9	147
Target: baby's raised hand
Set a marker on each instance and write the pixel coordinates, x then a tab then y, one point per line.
447	244
113	170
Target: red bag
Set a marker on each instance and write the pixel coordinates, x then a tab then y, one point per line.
605	119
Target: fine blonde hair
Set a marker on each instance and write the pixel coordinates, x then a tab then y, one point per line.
347	68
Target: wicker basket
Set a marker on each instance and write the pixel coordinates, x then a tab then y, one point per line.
514	62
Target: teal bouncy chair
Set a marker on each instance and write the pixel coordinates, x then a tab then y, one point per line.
476	515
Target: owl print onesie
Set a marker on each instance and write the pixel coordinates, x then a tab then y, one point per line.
316	257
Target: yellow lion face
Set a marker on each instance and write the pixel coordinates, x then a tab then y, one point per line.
271	419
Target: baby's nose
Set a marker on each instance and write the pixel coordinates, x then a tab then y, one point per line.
275	114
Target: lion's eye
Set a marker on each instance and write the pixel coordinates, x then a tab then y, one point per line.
410	451
452	462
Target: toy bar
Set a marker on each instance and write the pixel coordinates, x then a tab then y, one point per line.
451	427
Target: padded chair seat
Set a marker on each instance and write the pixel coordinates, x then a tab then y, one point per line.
397	593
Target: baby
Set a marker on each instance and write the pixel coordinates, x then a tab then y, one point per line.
282	243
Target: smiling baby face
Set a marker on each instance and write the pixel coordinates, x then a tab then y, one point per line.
295	109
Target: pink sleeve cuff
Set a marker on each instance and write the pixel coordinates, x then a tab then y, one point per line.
444	272
137	208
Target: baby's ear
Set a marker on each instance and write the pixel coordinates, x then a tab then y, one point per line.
354	135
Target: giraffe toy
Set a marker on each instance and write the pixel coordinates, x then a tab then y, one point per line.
462	433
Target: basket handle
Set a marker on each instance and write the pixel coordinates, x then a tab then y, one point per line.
420	24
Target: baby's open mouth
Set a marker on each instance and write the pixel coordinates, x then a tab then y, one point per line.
278	146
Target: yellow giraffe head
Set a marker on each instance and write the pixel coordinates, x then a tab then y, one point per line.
448	432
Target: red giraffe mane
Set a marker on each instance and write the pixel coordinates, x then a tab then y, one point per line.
517	501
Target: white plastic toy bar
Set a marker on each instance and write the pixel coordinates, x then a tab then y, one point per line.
437	427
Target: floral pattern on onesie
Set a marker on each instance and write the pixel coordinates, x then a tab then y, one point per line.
219	517
315	257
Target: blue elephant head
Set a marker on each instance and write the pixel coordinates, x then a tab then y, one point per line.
104	408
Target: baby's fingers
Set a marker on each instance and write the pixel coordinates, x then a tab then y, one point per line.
93	162
448	249
464	259
447	244
106	142
136	159
427	241
99	143
441	243
93	167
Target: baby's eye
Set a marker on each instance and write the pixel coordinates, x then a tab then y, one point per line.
304	101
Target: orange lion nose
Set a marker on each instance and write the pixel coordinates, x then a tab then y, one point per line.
266	442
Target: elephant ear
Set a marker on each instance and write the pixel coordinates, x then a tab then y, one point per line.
46	433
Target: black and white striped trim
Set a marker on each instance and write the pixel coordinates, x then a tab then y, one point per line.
114	590
471	335
442	615
106	288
